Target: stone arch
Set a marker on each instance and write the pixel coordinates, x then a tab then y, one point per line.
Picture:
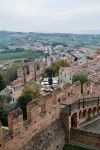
74	120
80	114
68	94
89	113
84	113
59	99
39	109
94	111
98	109
27	69
88	92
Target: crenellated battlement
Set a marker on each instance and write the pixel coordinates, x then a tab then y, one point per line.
41	113
28	72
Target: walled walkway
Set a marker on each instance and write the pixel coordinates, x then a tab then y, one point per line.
92	125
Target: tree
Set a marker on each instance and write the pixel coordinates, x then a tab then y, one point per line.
49	72
89	57
50	80
30	92
82	77
75	59
22	102
32	89
3	117
53	70
5	108
56	66
2	84
10	74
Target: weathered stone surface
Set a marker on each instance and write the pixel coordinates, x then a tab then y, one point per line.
43	129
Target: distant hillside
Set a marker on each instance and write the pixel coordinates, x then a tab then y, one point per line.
69	40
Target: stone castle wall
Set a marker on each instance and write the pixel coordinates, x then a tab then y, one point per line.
43	129
43	122
84	137
30	75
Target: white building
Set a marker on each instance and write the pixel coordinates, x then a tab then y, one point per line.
66	73
64	76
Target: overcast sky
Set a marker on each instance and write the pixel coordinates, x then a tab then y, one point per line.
71	16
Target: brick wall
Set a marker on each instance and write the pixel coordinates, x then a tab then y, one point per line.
84	137
42	128
42	115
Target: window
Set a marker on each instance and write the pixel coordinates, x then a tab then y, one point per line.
59	100
40	109
68	94
88	92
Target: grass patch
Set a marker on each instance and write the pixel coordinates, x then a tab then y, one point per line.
5	131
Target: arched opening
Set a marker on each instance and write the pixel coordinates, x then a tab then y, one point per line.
40	109
68	94
59	100
80	114
84	113
74	120
27	69
94	111
98	110
88	92
89	113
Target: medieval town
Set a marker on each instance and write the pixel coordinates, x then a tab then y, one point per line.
55	111
49	74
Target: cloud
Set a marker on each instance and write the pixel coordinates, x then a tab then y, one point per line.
79	11
49	15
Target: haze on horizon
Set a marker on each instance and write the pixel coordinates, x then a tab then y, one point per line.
62	16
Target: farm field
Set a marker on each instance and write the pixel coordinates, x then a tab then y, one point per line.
19	55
